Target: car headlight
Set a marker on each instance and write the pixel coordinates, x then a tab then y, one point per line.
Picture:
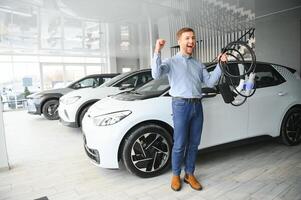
70	100
111	118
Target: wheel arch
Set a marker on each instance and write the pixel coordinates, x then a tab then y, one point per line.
287	110
157	122
82	107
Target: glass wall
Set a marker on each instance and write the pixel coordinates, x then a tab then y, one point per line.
31	28
93	36
74	72
18	25
95	69
17	78
73	34
42	47
51	31
23	75
53	76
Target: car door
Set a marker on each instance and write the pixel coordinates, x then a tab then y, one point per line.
268	103
223	122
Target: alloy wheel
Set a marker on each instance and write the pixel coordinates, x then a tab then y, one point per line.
150	152
52	109
293	127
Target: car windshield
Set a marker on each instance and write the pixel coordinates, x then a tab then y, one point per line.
154	87
113	80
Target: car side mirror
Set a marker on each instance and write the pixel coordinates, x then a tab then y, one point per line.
209	92
125	86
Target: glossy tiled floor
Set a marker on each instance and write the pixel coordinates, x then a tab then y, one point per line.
47	159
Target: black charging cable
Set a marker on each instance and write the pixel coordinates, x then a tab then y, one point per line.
227	84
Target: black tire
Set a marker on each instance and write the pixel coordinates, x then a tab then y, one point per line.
147	151
50	111
82	114
291	127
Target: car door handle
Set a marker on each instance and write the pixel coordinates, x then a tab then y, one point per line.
281	93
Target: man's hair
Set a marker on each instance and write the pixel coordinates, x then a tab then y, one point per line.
183	30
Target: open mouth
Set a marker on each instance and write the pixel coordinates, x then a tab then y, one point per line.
189	48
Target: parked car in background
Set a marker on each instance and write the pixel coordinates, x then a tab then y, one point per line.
16	101
74	105
136	127
47	102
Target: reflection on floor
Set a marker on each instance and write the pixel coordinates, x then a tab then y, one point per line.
47	159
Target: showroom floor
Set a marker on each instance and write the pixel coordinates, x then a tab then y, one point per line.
47	159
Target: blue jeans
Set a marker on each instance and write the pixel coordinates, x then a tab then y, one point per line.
188	124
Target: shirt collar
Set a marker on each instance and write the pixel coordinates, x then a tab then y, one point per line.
184	56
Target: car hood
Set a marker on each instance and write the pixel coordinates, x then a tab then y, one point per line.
108	105
52	91
93	93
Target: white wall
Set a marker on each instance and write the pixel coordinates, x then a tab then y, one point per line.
278	32
3	150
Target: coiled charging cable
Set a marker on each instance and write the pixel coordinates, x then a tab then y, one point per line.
237	84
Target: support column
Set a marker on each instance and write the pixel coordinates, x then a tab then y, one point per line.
153	36
111	49
3	149
164	32
144	48
41	75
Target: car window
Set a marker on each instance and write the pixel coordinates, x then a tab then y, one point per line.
130	81
267	76
237	69
88	82
101	80
112	81
143	78
135	80
155	87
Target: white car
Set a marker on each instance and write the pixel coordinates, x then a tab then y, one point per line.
75	104
136	127
47	101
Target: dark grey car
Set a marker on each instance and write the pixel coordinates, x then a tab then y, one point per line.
46	102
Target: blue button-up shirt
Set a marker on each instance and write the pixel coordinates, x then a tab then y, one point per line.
185	75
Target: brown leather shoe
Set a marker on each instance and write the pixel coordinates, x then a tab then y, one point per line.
192	181
176	183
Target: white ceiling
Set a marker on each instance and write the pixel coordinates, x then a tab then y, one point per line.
119	10
135	10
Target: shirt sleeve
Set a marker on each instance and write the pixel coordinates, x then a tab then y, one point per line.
159	67
211	78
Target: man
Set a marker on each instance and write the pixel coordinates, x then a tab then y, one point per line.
185	76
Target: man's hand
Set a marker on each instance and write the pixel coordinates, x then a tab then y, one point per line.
159	45
222	57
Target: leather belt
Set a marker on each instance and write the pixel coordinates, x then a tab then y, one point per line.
189	100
